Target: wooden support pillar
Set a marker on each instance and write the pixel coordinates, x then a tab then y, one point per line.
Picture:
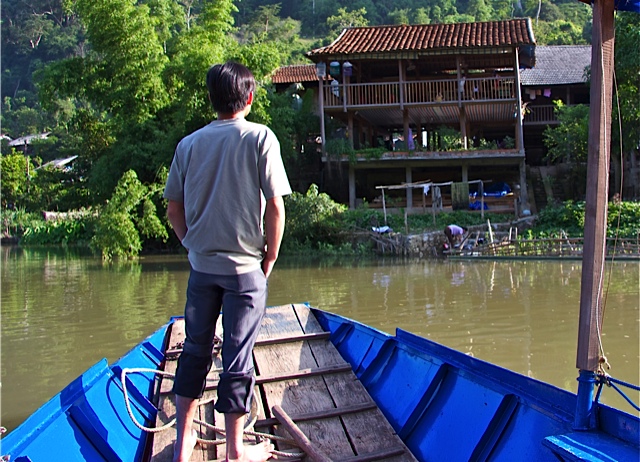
408	174
519	115
352	187
463	128
465	173
321	110
460	83
524	192
419	136
405	125
344	92
401	79
350	128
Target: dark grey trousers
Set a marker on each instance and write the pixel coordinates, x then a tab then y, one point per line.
242	299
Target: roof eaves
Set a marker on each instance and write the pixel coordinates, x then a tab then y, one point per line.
310	54
530	30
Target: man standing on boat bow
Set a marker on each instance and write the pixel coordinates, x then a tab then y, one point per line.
225	180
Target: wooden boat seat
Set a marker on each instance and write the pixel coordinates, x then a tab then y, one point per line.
587	446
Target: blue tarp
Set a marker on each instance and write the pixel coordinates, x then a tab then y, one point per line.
628	5
498	189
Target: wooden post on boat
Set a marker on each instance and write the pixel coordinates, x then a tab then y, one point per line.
590	325
315	454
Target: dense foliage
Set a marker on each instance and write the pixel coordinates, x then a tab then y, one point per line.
623	220
117	83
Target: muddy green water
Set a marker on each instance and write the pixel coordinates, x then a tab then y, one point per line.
62	312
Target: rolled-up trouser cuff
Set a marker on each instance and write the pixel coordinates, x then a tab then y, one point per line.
191	375
234	392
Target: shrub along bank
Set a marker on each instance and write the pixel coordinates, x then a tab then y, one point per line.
315	224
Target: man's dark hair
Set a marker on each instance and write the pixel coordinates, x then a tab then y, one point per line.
229	86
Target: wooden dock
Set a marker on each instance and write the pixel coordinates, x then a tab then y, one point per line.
298	369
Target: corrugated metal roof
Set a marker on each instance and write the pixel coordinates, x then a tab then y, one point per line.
23	140
403	38
558	65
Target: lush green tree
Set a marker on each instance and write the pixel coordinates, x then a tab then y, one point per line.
16	169
399	16
128	59
344	18
292	120
568	142
127	216
21	115
559	32
421	16
266	27
479	9
626	103
312	218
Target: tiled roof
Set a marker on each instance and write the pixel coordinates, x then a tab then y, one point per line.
403	38
558	65
295	74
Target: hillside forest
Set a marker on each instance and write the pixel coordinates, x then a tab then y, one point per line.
118	82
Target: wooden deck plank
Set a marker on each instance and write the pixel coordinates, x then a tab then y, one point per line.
303	395
370	431
162	449
350	436
163	441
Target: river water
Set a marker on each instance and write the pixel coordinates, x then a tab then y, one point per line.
63	311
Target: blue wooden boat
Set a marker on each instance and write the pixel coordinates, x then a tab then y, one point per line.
443	404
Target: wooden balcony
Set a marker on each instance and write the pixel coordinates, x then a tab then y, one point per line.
540	115
418	93
433	158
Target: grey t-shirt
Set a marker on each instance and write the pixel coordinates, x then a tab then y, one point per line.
222	174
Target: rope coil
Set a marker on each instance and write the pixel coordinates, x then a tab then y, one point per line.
218	430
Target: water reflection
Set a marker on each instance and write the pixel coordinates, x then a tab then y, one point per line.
64	311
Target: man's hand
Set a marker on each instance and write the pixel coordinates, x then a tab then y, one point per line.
274	228
267	266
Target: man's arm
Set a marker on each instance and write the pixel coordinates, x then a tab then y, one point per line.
175	214
274	228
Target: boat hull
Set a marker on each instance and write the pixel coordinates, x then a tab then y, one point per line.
446	405
443	404
88	420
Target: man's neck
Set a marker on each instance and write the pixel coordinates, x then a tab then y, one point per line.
236	115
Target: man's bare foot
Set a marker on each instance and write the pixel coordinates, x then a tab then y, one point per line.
184	454
260	452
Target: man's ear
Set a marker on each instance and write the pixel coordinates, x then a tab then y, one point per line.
250	99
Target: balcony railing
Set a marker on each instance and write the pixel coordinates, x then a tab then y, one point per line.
540	115
385	94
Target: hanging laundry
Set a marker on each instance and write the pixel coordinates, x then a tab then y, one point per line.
547	92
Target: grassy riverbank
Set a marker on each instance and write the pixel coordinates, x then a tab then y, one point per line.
315	225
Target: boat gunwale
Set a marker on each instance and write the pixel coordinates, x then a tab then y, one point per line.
549	399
